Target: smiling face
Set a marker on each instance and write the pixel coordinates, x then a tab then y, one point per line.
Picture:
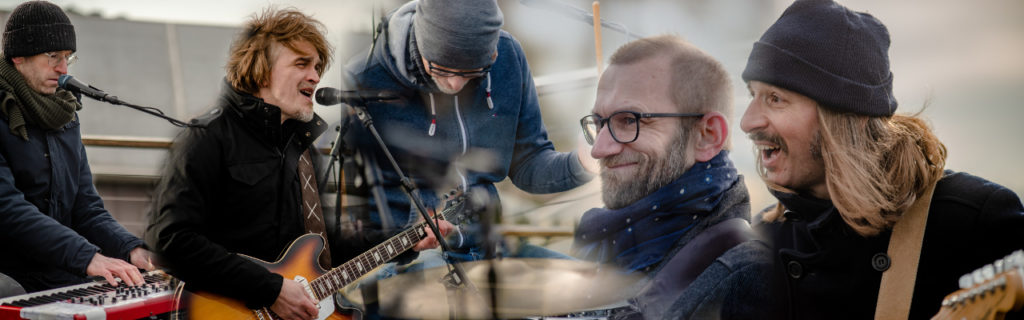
786	133
293	76
39	74
661	152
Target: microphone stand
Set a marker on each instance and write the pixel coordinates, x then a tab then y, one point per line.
455	279
150	110
337	147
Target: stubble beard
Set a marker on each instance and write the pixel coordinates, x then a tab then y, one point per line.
651	174
305	114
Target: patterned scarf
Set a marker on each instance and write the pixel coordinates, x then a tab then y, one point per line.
639	235
22	105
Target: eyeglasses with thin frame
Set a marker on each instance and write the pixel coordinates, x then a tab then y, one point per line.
55	58
625	124
449	73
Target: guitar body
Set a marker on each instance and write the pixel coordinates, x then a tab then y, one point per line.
299	262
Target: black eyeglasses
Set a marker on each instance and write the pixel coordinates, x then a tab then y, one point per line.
449	73
625	125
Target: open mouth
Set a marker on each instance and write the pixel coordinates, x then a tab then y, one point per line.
308	92
768	151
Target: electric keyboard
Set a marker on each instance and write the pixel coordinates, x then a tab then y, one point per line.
95	300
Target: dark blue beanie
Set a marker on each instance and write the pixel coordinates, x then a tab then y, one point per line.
834	55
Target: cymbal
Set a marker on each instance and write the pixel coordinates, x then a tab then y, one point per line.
524	288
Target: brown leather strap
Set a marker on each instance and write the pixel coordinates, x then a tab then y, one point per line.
897	288
311	210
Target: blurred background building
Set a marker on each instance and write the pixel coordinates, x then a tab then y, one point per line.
960	59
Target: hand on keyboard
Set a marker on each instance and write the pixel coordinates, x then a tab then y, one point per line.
108	268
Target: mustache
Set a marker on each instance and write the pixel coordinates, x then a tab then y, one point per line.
619	159
761	135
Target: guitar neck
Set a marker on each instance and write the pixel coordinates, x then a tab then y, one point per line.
339	277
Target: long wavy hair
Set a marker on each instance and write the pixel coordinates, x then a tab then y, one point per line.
875	167
252	53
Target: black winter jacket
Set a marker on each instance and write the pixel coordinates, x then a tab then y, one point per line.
827	271
232	188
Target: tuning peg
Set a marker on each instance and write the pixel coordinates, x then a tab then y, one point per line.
977	277
988	272
965	281
1015	260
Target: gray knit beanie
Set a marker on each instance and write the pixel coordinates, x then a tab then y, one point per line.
836	56
35	27
459	34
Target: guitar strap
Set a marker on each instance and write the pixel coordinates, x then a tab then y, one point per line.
897	288
311	211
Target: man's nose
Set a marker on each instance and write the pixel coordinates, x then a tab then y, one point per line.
604	145
313	76
456	83
62	66
752	118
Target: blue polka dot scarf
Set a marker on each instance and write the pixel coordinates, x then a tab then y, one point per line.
640	234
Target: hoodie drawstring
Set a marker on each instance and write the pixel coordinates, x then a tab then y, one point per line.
433	116
490	104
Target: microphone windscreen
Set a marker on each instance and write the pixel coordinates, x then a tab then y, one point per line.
63	80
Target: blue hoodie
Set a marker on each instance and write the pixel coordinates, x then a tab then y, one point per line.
508	128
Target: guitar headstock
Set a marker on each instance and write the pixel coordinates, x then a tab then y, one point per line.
989	292
455	206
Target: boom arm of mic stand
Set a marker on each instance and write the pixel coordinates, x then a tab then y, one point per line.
159	114
409	187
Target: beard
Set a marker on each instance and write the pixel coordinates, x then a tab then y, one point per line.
651	174
305	115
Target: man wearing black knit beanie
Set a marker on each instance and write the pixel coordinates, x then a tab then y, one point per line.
53	226
868	221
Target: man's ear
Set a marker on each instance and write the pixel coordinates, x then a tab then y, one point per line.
18	60
712	136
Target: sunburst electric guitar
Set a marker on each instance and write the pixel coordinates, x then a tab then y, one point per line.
299	263
988	293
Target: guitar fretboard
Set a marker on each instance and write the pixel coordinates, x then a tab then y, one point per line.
348	272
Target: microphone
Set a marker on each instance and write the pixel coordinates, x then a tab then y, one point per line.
330	96
69	83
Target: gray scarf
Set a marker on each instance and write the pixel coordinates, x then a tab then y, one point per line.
22	105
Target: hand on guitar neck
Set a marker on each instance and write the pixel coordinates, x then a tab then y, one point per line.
293	302
430	241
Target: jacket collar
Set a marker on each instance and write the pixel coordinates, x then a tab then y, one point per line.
265	118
